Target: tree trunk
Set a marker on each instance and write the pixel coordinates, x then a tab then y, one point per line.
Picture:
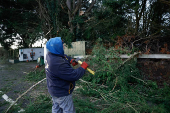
73	8
139	14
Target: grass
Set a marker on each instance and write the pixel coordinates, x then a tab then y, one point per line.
35	75
3	103
85	106
5	89
16	91
14	109
3	61
42	104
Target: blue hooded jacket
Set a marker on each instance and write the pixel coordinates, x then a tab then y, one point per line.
60	75
55	46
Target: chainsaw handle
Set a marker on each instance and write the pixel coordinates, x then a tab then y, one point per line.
92	72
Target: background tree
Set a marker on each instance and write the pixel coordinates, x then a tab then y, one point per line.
52	18
84	20
108	21
61	18
19	22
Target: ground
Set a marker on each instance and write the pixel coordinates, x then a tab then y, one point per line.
13	83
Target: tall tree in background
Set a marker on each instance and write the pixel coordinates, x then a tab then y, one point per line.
109	20
6	28
159	17
19	22
150	24
74	8
82	19
139	9
150	16
52	18
60	17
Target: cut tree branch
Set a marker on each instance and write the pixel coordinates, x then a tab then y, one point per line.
91	83
135	54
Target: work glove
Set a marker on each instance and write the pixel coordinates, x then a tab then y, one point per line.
84	65
73	62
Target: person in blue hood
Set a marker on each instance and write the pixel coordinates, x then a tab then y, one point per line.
61	76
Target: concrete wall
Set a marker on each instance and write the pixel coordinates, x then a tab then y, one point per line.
78	48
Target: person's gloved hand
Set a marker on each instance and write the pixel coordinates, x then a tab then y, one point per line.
84	65
73	62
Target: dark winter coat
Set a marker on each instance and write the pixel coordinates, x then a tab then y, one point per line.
60	75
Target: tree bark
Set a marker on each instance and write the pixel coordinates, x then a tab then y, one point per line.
139	14
73	8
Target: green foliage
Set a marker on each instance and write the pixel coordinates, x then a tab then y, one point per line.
14	109
84	106
55	15
107	23
107	20
66	37
157	17
35	75
42	104
19	21
3	103
78	19
125	90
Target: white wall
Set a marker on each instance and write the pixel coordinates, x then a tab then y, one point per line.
45	52
38	52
